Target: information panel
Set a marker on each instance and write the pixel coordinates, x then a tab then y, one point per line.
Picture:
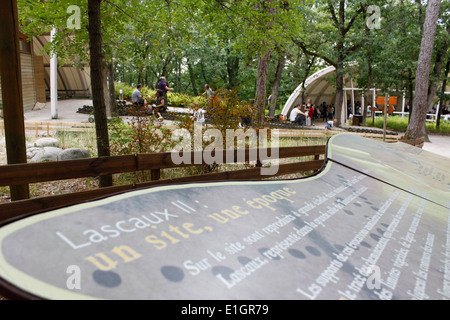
360	229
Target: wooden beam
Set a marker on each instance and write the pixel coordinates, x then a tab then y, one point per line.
10	69
21	209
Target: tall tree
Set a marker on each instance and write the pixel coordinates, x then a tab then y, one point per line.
330	37
417	127
442	94
276	84
96	63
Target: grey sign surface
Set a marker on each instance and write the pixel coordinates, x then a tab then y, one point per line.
357	230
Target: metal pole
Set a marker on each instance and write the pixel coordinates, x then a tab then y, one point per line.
53	80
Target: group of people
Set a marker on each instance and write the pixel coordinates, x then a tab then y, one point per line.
161	98
307	113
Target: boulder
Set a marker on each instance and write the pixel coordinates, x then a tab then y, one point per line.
47	154
73	154
32	152
39	106
47	142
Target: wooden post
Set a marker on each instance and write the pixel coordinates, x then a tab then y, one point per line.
155	174
10	68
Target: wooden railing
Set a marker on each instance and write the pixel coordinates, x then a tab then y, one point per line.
46	127
20	174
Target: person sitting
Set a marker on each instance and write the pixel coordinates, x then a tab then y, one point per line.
297	116
137	99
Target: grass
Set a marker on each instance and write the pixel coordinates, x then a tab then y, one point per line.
399	124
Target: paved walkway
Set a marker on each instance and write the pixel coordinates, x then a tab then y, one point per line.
67	112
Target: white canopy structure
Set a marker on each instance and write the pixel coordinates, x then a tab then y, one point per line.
320	87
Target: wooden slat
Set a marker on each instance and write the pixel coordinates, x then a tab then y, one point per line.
51	171
164	160
244	174
28	87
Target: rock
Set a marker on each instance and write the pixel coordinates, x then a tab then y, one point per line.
73	154
47	154
47	142
32	152
39	106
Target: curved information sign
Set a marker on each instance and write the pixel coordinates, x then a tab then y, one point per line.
373	224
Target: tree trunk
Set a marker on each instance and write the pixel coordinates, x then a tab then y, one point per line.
233	72
112	89
410	94
417	126
340	64
106	93
441	100
309	63
437	70
96	63
369	75
261	87
339	96
276	85
192	78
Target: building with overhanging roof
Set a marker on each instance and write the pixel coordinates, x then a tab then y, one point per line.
72	82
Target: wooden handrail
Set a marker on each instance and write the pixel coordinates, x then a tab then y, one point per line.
52	171
22	208
17	174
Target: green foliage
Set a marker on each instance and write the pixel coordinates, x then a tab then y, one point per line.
174	99
193	42
399	124
444	128
143	134
395	123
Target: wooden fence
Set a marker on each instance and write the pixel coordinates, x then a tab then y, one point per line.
19	174
46	127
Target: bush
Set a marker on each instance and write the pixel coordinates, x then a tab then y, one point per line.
175	99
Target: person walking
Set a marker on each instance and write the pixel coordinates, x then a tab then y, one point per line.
208	92
162	85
